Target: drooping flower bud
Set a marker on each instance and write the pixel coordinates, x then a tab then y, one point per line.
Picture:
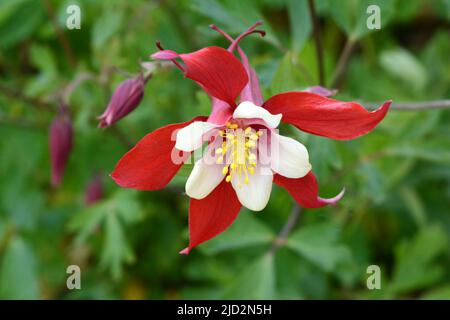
125	99
94	190
60	143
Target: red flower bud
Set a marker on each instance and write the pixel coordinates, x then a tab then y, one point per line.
94	190
60	143
125	99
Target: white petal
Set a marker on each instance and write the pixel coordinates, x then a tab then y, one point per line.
289	157
190	137
247	110
254	195
204	178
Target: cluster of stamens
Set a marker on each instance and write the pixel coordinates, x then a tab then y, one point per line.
238	152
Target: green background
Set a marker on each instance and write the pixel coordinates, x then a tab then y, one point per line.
396	211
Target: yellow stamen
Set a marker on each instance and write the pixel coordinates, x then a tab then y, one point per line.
225	170
237	144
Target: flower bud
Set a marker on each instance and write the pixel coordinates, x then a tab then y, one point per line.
94	190
125	99
60	143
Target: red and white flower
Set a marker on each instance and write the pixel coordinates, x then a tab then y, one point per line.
245	154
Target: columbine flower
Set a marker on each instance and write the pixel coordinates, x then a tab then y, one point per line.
60	143
245	154
125	99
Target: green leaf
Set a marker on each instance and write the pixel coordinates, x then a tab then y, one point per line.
246	231
43	58
116	249
440	293
351	15
373	182
235	16
108	24
414	267
18	278
320	245
19	22
216	11
300	23
286	78
112	214
435	150
402	65
256	281
415	205
85	222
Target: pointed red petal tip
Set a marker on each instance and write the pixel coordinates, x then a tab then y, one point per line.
165	55
315	114
334	200
306	191
185	251
212	215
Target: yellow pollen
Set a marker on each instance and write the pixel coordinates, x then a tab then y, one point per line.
236	152
225	170
250	144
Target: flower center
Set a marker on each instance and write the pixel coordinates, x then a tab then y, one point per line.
238	152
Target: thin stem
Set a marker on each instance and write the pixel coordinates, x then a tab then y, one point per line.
318	41
121	136
60	34
77	81
287	228
18	95
341	68
21	123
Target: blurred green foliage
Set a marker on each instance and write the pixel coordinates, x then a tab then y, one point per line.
396	211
